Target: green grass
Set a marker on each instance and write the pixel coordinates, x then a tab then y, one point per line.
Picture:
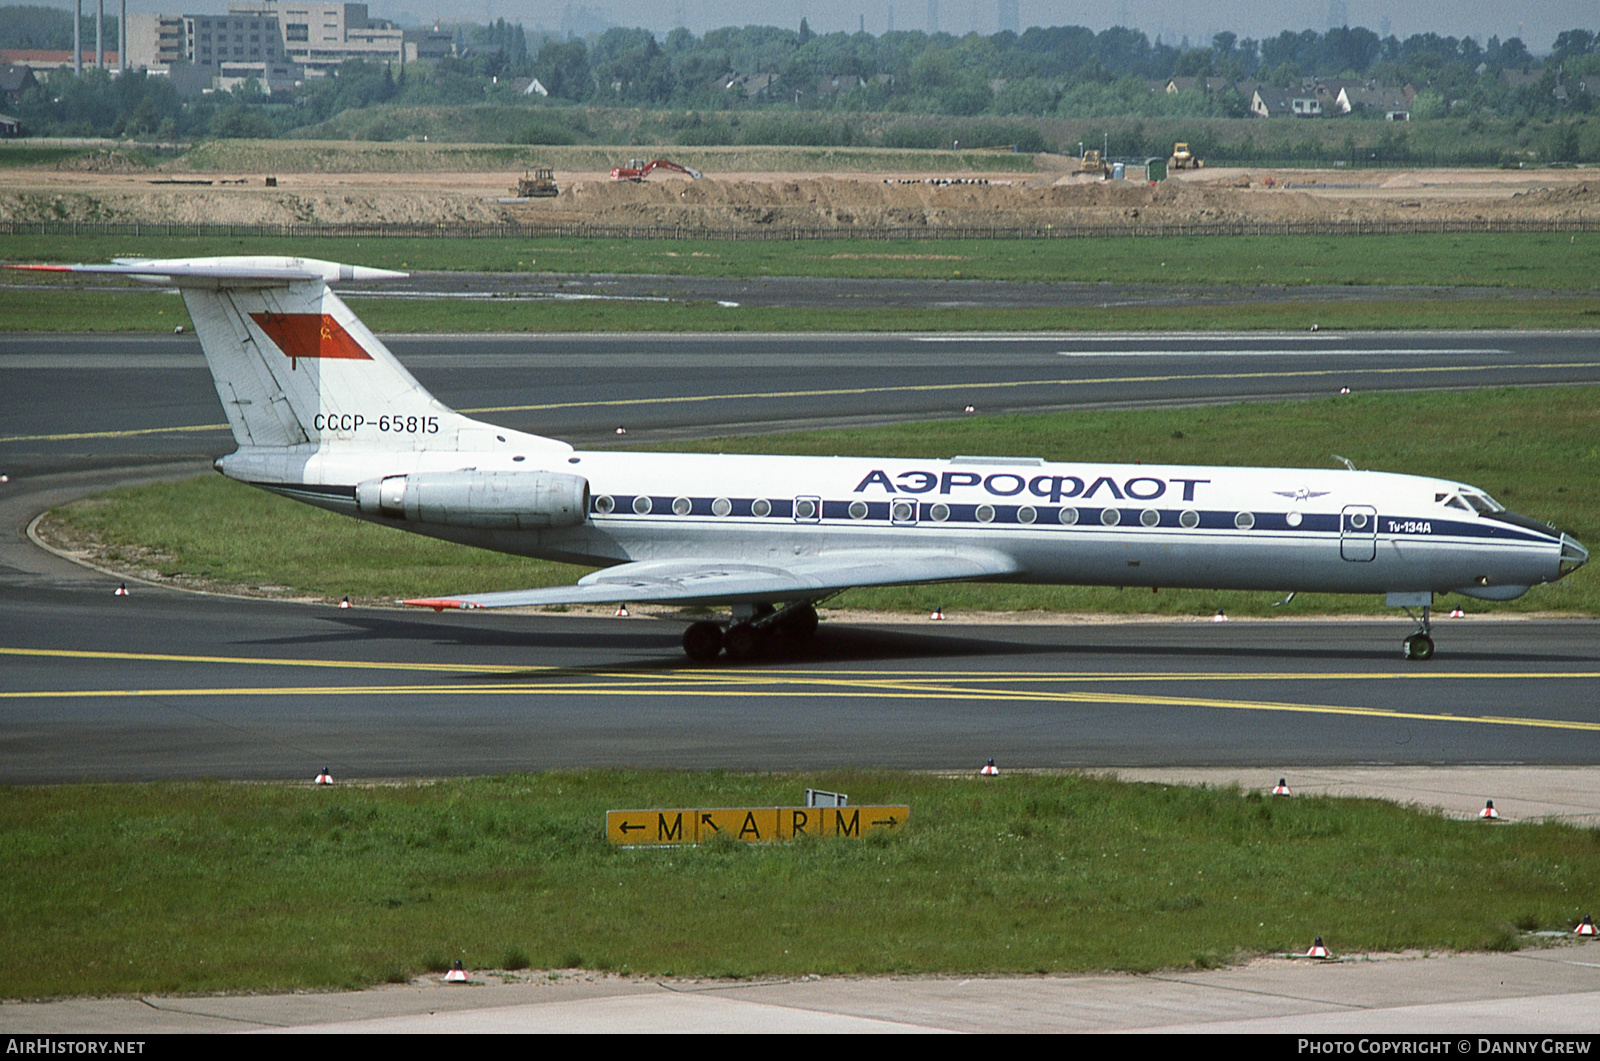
63	311
280	887
214	529
24	154
1539	261
1515	263
1534	449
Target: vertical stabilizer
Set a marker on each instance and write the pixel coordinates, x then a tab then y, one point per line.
294	366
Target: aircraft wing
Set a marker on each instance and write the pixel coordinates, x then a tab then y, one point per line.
707	582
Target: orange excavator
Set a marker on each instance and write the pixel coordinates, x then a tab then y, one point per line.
638	169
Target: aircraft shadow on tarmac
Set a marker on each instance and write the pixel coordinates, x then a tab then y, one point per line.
841	643
831	643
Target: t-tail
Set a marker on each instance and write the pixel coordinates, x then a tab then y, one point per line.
311	394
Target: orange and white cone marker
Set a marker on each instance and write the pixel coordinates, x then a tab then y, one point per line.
1344	390
4	478
1585	927
1488	813
969	409
622	611
622	431
937	615
456	975
1457	613
990	770
345	603
1318	950
1282	787
122	590
324	778
1220	617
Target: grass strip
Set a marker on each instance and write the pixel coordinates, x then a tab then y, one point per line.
199	887
65	311
1534	449
1539	261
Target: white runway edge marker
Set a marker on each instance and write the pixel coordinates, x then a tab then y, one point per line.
1282	787
456	975
990	770
1318	950
324	778
1488	813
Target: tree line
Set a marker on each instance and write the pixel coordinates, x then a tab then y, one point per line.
1060	72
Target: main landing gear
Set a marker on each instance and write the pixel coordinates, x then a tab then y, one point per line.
765	629
1419	646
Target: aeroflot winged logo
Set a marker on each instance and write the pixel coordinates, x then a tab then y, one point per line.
309	335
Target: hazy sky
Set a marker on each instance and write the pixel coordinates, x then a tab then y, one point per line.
1536	21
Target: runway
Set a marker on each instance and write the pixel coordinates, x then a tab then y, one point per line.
96	400
165	684
162	684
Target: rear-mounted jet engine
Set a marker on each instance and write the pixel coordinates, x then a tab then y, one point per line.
479	500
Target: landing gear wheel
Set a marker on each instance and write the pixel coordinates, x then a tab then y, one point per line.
702	641
800	623
743	641
1419	647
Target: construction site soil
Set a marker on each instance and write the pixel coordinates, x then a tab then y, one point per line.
109	186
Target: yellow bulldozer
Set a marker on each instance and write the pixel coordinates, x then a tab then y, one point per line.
1182	158
542	185
1093	163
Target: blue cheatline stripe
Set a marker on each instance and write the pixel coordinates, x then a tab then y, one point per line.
1128	518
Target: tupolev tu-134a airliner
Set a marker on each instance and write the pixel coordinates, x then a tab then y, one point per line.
325	414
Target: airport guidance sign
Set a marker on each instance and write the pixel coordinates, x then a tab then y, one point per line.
749	824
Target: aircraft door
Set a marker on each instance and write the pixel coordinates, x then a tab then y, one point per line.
1358	533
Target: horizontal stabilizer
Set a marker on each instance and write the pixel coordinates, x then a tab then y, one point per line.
705	582
238	271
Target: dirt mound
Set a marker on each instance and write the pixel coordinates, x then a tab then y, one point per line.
1585	194
831	202
109	186
238	206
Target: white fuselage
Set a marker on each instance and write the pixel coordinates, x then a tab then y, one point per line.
1086	524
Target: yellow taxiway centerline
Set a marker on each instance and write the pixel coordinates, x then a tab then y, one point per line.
749	676
888	691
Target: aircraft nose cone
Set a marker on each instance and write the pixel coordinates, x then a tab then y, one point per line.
1573	554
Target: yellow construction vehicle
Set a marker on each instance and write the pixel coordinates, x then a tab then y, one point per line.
542	185
1183	159
1092	162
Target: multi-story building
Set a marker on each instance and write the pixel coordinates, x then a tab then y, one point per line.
277	42
320	36
156	41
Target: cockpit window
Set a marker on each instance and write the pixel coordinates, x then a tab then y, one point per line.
1456	502
1483	504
